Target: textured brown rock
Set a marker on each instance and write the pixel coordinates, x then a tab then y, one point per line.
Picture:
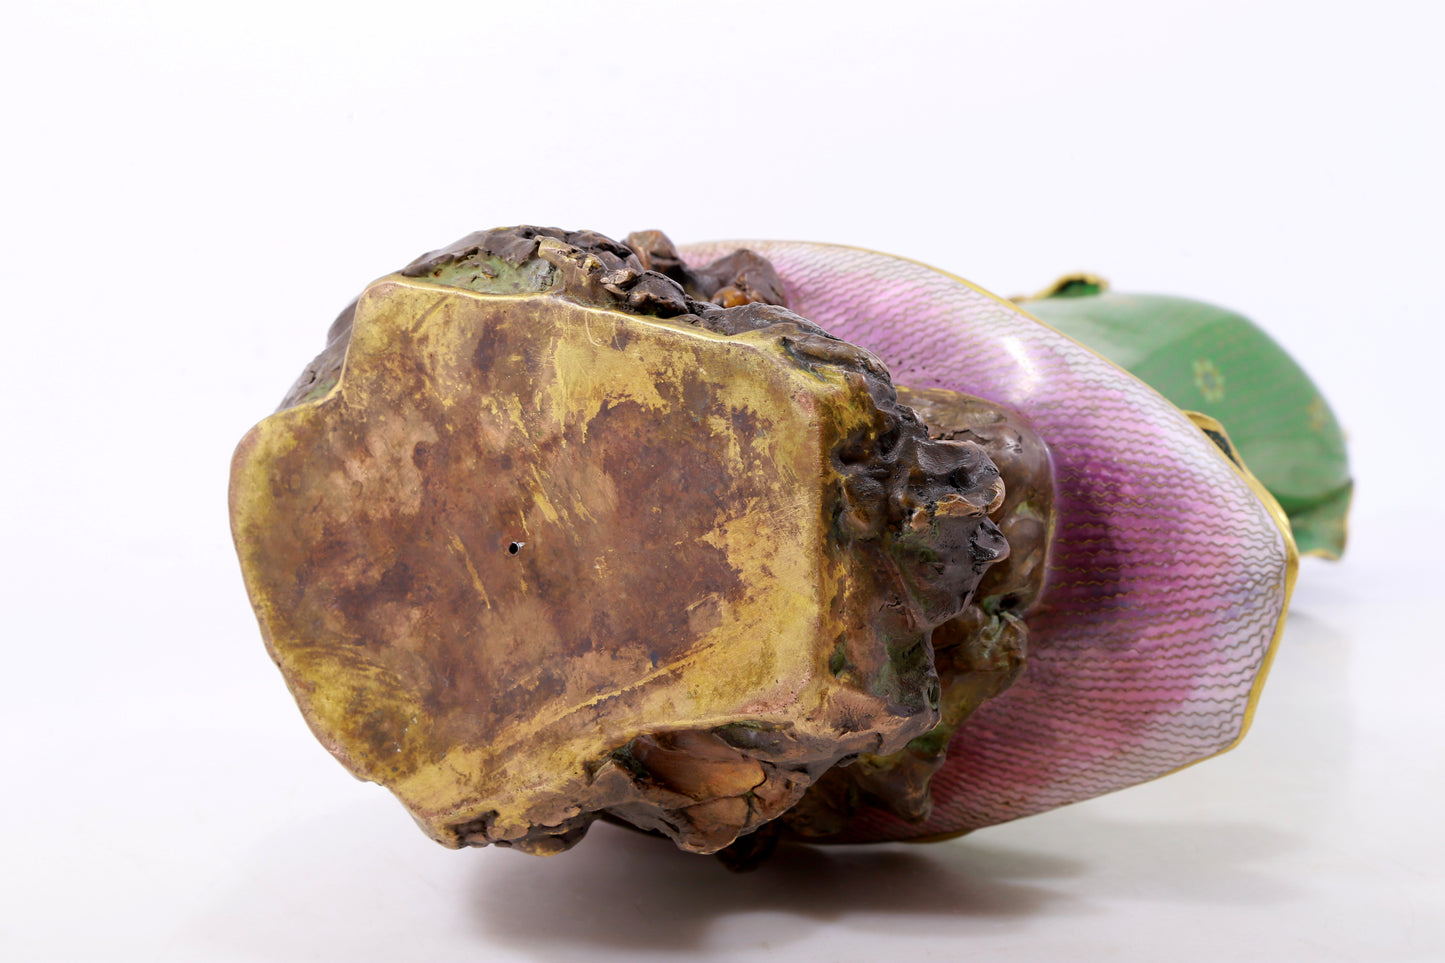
543	536
979	653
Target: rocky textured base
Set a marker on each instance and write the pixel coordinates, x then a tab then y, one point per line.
546	535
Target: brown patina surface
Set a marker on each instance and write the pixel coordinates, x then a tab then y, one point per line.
545	535
977	654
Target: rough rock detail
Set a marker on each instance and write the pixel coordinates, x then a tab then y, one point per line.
640	567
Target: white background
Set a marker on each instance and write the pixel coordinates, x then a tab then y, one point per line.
191	191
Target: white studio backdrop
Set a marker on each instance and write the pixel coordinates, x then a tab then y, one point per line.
190	192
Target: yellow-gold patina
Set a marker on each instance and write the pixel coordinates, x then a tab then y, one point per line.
520	531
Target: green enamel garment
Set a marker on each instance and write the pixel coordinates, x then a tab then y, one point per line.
1206	359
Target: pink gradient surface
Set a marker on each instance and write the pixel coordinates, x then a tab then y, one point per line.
1167	577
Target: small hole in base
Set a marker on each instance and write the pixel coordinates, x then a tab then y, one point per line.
515	547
